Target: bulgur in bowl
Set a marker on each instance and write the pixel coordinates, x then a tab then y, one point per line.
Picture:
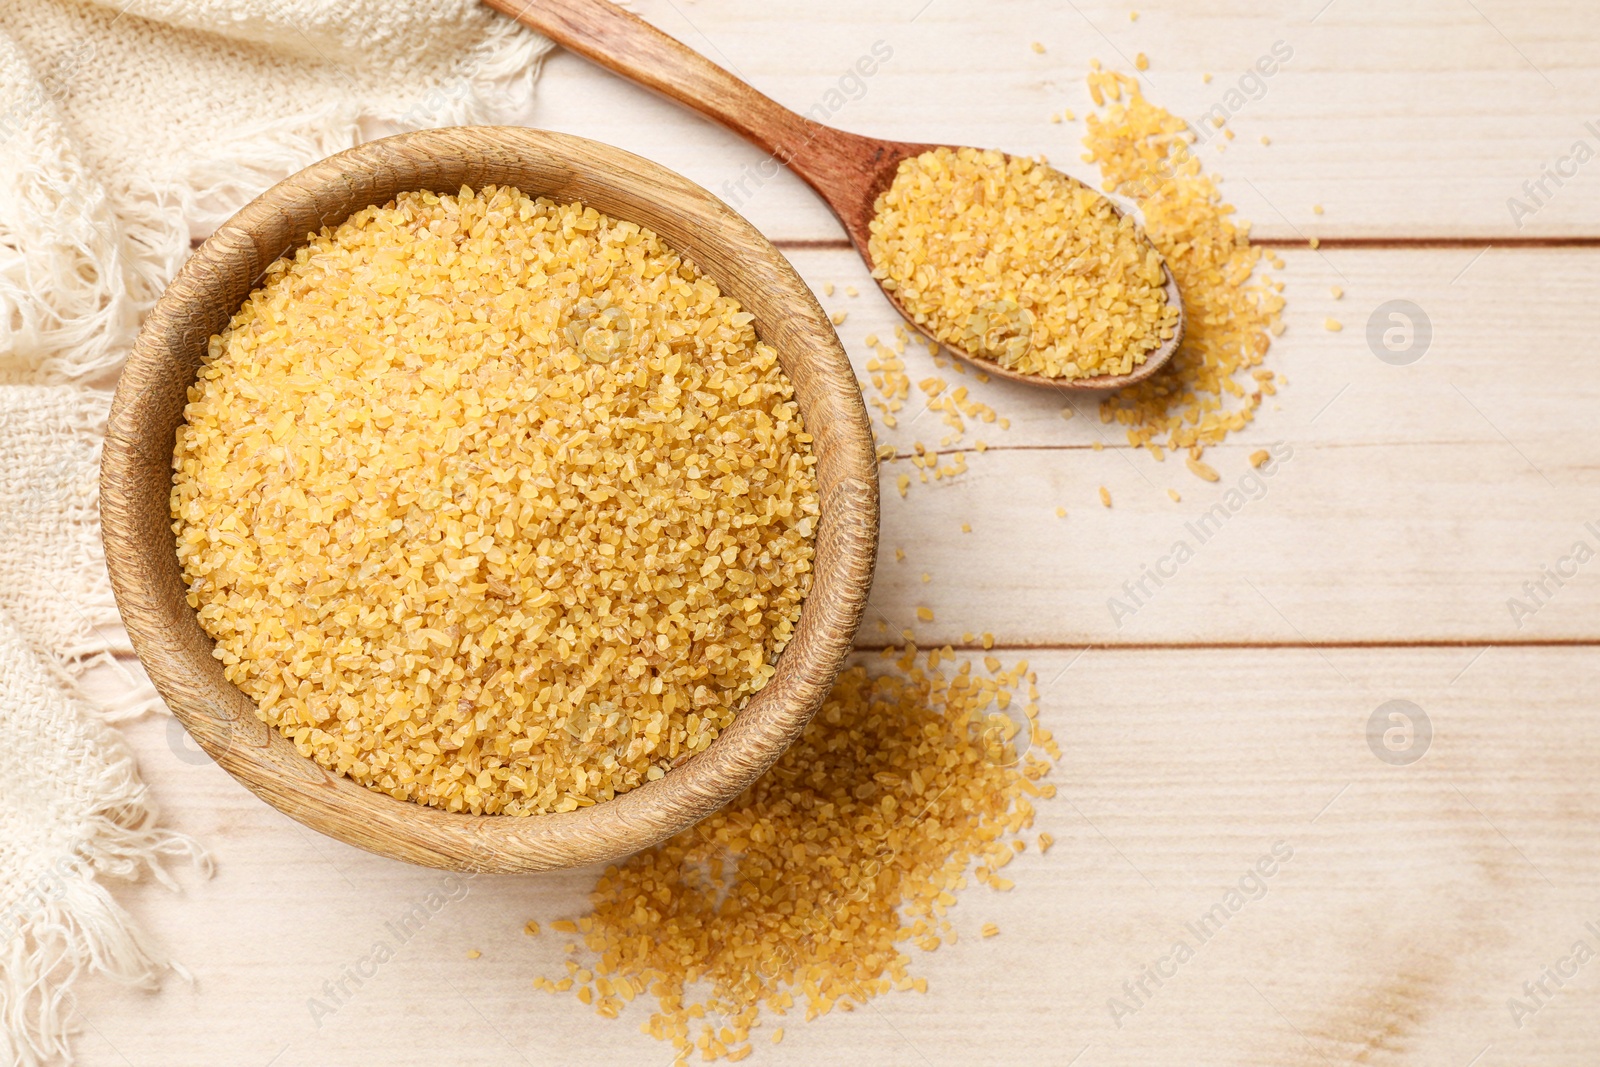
234	615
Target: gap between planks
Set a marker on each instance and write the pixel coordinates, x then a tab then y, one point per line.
1270	646
840	244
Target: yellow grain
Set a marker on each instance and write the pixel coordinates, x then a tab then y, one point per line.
1105	497
805	889
502	555
1231	314
1059	284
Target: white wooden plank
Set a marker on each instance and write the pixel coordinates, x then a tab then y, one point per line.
1418	120
1417	501
1420	898
1417	900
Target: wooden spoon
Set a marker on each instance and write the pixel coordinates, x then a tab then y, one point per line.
847	170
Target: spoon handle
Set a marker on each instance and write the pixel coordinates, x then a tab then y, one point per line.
627	45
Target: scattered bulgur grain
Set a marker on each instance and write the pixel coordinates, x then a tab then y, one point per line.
851	290
966	527
1069	115
988	641
777	1035
1141	62
1144	152
827	288
1038	47
531	928
492	503
1316	209
1203	469
1332	325
1061	513
1336	292
1206	78
1133	16
1259	457
1055	117
839	317
990	930
924	615
1177	498
806	889
473	954
1017	263
926	577
1265	139
1105	497
1315	243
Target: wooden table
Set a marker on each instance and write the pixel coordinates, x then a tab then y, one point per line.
1230	713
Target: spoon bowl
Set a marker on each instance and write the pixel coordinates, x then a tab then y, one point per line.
858	227
849	171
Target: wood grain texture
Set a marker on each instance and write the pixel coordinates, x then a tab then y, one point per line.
847	170
1417	501
137	472
1420	899
1414	121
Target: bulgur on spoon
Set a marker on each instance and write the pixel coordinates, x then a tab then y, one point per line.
1013	266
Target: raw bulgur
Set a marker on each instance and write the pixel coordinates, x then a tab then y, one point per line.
1197	399
809	886
493	503
1011	261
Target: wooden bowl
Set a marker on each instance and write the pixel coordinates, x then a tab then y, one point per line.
136	480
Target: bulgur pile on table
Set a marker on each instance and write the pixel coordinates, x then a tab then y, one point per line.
808	885
1231	316
1017	263
493	503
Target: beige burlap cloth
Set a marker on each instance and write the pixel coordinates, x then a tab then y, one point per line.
125	129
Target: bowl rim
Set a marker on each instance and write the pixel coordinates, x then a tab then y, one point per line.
136	478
